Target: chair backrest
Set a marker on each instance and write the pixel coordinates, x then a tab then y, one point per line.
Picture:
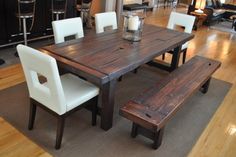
67	27
132	2
59	5
184	20
35	64
106	19
26	9
26	6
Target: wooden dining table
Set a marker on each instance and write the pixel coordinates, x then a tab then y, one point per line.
103	58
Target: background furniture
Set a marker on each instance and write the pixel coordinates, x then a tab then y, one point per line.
104	63
26	10
84	8
105	20
134	5
186	21
200	19
200	5
233	18
67	27
59	95
215	11
42	28
170	3
59	8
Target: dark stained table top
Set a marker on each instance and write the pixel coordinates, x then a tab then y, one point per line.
109	55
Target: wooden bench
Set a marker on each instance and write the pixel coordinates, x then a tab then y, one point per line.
151	110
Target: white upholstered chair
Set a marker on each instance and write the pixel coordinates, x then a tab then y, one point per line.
106	19
67	27
183	20
59	95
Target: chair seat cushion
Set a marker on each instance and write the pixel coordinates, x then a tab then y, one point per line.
77	91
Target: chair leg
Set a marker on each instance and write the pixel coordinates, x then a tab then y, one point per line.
134	131
94	111
136	70
60	129
120	78
163	56
32	114
184	56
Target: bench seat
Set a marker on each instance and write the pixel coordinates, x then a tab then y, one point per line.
151	110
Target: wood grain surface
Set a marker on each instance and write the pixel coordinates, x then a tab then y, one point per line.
155	106
15	144
109	54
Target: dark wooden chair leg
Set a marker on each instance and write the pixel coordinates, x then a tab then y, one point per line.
136	70
120	78
158	138
134	131
32	114
205	87
163	56
94	111
184	56
60	129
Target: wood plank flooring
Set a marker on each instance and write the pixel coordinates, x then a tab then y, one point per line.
219	137
13	143
11	76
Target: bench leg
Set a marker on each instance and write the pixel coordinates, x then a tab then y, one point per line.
206	86
158	138
155	136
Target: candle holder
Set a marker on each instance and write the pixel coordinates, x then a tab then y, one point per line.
133	27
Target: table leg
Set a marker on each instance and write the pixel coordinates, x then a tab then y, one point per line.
174	61
107	106
175	58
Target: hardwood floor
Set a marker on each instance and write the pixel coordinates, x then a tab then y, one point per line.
13	143
11	76
219	137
